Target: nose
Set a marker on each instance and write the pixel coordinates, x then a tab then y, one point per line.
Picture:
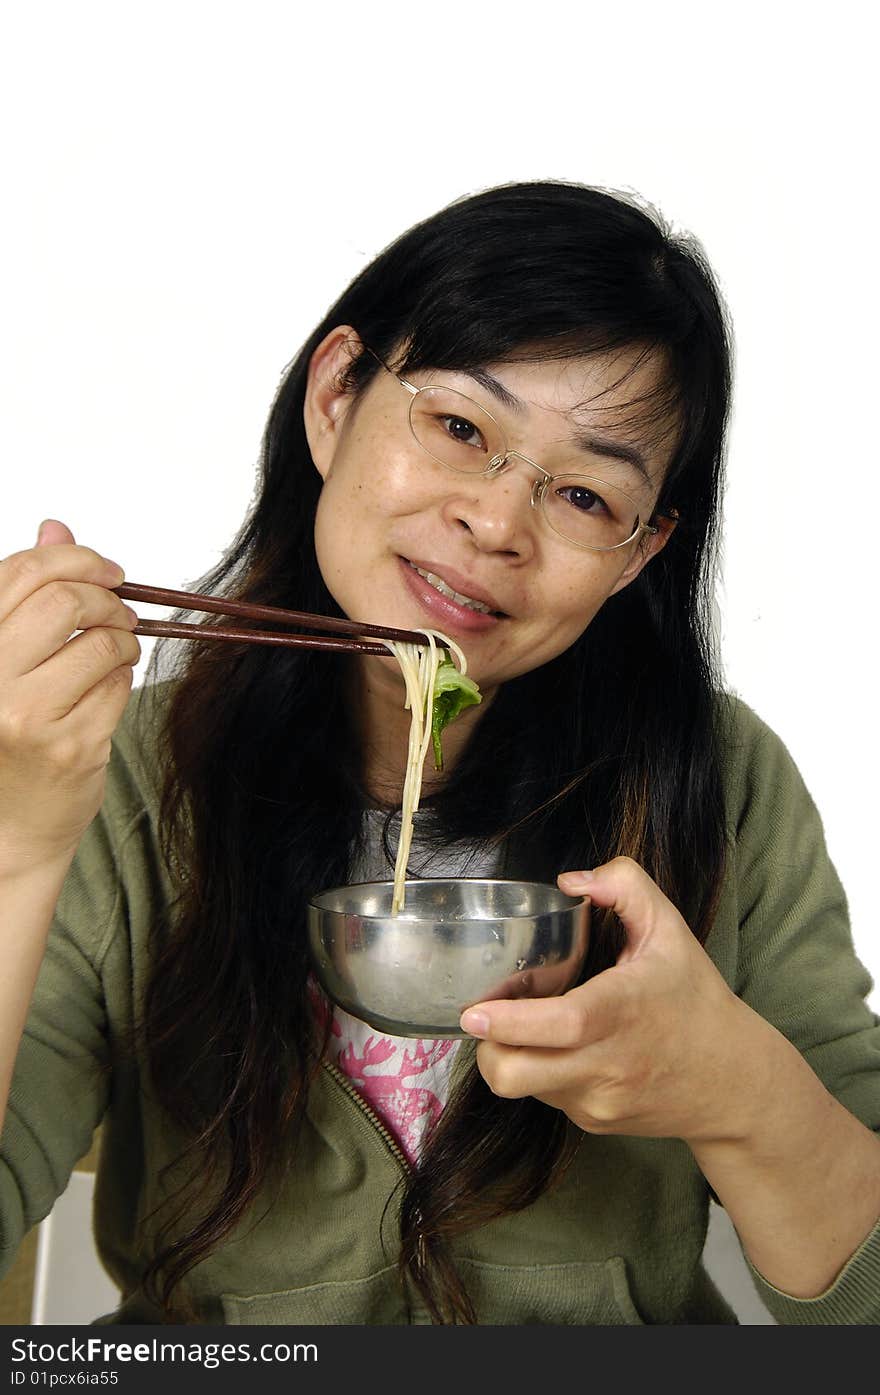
495	510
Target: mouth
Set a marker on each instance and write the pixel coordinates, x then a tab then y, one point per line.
445	598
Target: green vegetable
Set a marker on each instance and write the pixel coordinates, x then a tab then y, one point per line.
452	694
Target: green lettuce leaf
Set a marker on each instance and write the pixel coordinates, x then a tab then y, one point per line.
452	694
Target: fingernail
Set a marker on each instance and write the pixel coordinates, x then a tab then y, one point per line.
40	531
116	570
133	616
477	1023
579	878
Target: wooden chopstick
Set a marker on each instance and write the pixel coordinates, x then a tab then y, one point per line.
171	629
191	600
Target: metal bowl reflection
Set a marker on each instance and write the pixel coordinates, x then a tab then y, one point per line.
455	943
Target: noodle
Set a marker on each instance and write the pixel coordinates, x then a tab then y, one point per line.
418	664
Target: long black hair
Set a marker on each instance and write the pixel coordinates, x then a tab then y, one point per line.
611	748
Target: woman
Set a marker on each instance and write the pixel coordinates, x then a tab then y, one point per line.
719	1043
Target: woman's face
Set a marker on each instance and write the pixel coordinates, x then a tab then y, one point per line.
388	512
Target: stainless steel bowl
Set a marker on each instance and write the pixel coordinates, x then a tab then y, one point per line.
455	943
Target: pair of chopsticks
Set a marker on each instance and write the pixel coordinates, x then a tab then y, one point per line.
345	634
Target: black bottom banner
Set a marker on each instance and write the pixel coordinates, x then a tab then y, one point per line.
256	1359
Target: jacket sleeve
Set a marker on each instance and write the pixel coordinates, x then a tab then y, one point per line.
798	969
62	1078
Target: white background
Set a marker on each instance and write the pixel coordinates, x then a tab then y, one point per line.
188	187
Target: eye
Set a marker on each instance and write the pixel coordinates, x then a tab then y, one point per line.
583	499
463	432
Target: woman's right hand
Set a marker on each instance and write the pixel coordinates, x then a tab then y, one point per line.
60	697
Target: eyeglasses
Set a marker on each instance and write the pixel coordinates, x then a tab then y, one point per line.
460	434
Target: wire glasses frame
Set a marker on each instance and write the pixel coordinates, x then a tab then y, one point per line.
498	462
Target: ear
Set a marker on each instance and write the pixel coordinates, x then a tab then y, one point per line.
326	401
648	547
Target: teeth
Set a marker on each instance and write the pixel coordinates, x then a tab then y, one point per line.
445	590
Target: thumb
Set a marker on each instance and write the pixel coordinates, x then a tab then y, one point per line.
51	531
623	887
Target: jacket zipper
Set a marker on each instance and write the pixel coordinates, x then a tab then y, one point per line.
391	1142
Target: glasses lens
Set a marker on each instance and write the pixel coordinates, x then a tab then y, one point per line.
455	430
589	511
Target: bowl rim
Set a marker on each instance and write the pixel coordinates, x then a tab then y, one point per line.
573	902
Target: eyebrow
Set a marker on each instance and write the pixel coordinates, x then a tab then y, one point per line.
585	439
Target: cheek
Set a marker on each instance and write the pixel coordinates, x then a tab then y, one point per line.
569	604
395	482
371	483
577	593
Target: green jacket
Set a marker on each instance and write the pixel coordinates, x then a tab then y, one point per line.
618	1241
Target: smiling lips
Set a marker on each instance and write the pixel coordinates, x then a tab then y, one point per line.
445	598
453	595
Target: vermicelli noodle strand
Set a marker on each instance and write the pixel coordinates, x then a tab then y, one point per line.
419	665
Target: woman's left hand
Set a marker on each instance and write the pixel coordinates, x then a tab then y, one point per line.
657	1046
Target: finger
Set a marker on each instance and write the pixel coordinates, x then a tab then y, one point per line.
98	711
51	530
43	623
625	888
577	1018
513	1073
56	687
78	746
25	572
